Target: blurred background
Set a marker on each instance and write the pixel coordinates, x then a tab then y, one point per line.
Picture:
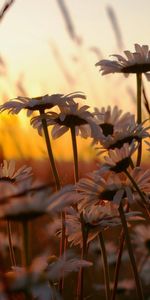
51	46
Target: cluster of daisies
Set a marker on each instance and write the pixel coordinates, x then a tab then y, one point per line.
81	213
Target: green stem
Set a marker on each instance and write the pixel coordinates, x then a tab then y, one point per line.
139	113
75	153
105	266
50	152
130	251
12	254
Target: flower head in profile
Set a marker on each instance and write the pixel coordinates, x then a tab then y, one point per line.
116	130
96	218
40	103
118	160
40	277
97	189
8	172
111	119
134	62
36	203
71	116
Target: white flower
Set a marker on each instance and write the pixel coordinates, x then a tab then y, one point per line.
111	119
8	172
70	116
41	274
97	188
96	218
125	130
39	103
136	62
118	160
35	204
65	265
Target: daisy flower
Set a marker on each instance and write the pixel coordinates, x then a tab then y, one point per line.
124	131
70	116
36	204
111	119
96	219
40	103
134	62
96	189
8	172
43	273
118	160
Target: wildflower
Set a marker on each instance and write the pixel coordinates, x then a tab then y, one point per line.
39	103
118	160
36	204
8	173
111	120
136	62
43	273
96	189
96	218
124	130
70	116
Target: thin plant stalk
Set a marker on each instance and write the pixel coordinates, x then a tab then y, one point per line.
26	246
118	263
58	187
139	113
131	255
139	192
80	286
50	152
75	153
26	259
12	254
122	241
105	266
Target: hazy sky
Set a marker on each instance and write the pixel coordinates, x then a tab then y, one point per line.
31	28
39	50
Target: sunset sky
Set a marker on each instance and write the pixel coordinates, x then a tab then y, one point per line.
42	57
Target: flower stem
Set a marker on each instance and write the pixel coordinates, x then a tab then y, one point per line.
118	263
135	185
12	254
50	152
105	266
122	240
26	250
130	251
75	153
139	113
80	287
58	186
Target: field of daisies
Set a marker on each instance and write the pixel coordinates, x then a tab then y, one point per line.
97	228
